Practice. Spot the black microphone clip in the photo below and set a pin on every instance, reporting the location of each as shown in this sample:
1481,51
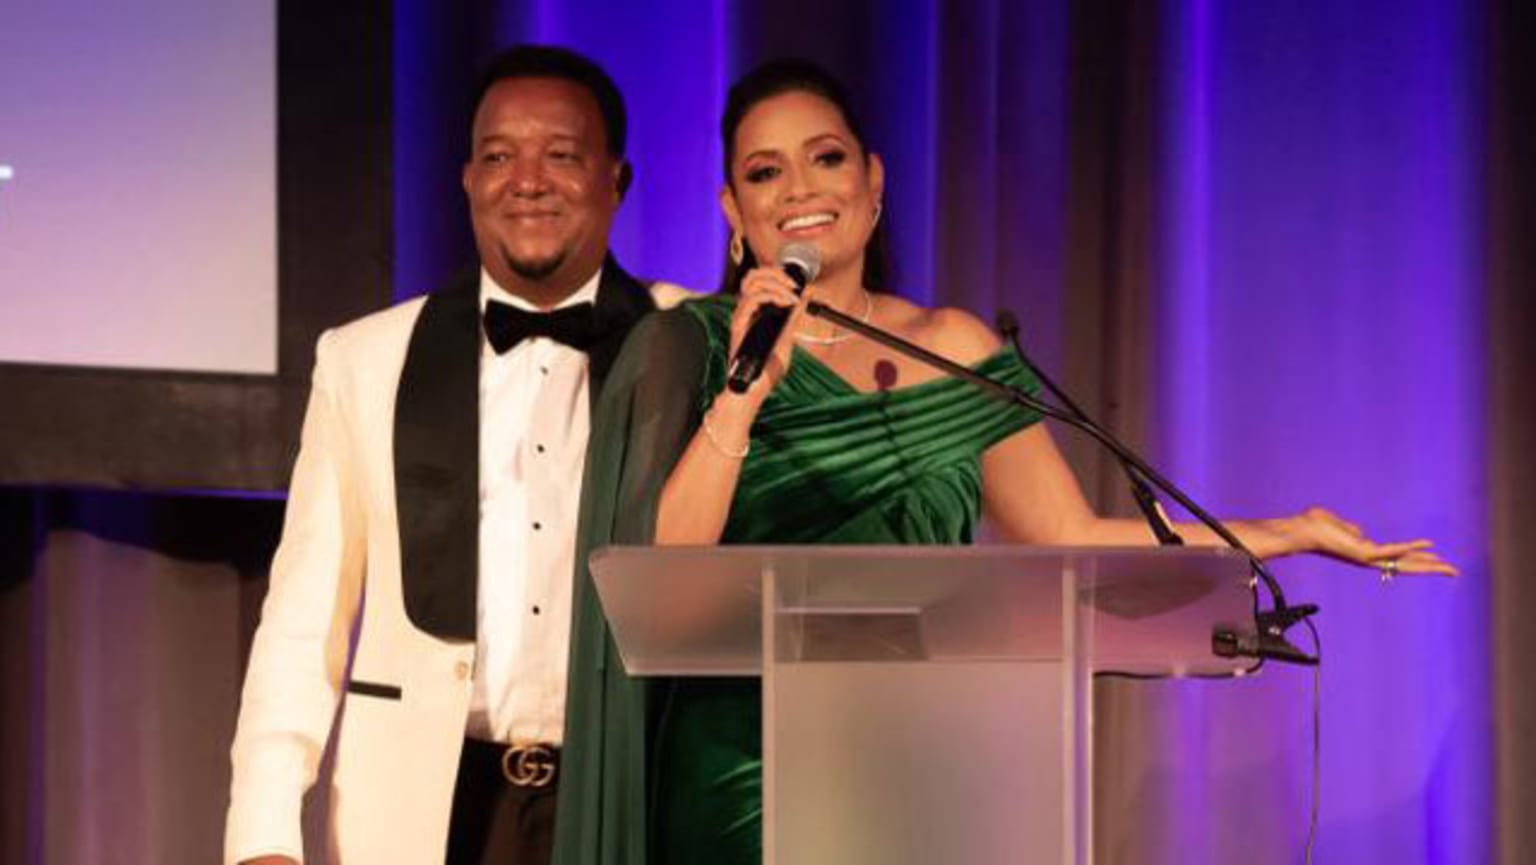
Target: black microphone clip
1269,642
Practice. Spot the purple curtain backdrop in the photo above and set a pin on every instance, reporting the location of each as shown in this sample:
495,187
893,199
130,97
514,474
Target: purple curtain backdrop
1256,247
1322,341
1251,236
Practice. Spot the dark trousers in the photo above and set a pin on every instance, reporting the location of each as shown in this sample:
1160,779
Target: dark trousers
496,822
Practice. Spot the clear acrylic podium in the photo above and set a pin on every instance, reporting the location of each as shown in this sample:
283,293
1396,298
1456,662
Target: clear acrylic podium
924,704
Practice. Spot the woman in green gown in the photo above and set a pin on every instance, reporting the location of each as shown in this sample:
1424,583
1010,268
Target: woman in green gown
840,441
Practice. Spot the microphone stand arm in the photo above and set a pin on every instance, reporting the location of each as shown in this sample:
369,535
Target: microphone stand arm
1271,624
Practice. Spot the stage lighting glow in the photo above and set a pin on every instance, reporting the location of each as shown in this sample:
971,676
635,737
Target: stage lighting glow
145,233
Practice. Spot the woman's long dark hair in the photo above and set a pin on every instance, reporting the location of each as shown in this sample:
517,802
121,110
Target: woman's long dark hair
772,79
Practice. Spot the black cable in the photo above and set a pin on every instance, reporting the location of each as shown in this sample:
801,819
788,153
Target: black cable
1317,740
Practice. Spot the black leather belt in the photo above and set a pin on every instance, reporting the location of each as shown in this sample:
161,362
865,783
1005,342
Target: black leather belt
532,766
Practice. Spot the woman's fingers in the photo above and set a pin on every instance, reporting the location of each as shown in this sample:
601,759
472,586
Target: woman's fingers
1411,557
1395,550
769,284
1426,565
746,312
1414,558
761,288
1342,539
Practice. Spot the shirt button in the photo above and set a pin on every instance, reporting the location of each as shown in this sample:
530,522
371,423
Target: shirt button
544,370
537,526
535,610
461,670
539,448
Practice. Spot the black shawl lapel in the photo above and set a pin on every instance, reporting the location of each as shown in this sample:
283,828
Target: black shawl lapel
437,462
621,302
437,442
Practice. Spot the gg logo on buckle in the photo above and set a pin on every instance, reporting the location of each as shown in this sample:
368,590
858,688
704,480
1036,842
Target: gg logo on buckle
528,765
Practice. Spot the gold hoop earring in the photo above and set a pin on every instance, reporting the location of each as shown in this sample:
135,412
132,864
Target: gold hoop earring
737,249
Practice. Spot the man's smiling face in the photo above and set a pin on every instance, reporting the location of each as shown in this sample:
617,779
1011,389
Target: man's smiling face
542,185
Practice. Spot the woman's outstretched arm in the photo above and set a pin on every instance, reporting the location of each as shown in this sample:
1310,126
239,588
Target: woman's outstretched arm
1032,496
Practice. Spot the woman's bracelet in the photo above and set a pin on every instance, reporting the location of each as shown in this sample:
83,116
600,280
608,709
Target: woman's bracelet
709,433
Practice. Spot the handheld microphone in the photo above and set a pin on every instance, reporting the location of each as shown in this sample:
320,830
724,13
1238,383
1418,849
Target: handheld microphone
802,262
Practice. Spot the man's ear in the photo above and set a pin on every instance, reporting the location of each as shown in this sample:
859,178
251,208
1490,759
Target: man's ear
623,176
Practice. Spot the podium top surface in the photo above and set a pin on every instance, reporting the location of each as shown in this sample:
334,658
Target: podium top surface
1142,611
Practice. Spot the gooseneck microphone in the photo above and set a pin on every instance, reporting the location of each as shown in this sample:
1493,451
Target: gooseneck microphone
802,262
1146,501
1268,641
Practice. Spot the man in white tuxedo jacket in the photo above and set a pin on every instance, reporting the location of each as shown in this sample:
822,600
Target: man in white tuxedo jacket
433,508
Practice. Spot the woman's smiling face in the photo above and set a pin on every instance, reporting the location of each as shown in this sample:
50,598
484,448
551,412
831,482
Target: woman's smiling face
798,173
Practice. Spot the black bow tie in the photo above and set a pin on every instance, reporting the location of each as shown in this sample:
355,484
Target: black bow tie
506,325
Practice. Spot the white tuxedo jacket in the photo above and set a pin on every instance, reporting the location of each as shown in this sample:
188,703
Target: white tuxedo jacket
383,515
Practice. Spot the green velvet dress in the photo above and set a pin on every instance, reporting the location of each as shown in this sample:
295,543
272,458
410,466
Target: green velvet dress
672,767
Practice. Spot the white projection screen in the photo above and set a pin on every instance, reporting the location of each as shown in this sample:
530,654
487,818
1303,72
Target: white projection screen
138,184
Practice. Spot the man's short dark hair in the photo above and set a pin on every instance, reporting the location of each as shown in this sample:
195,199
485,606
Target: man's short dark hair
548,61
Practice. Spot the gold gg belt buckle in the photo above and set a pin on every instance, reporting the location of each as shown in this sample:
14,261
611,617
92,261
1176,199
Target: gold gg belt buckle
529,765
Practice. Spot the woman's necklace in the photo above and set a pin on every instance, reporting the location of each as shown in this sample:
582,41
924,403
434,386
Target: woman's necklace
812,339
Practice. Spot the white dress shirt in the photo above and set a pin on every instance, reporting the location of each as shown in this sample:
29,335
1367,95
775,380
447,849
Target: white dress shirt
534,422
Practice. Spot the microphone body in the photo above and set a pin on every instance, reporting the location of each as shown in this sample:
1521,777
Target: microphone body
801,262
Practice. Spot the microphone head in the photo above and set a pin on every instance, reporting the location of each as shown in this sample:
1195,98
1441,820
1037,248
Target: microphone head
802,257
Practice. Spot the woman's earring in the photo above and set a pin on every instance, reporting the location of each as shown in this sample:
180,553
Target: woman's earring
736,249
879,208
